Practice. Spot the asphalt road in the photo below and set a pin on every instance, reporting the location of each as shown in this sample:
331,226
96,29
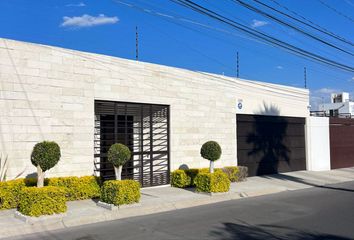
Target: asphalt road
316,213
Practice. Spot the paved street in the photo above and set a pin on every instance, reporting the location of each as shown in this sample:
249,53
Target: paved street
314,213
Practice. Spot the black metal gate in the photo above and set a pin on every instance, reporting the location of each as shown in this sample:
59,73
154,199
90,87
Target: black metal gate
144,128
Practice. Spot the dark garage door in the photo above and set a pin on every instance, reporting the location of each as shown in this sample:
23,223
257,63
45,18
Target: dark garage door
271,144
341,132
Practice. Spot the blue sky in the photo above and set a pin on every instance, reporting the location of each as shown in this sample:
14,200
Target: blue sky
175,36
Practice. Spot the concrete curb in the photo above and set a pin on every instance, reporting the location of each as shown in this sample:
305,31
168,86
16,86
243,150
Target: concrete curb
11,227
66,221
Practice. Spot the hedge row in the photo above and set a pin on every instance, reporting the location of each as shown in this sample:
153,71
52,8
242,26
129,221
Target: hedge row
119,192
75,188
48,200
186,178
51,199
212,182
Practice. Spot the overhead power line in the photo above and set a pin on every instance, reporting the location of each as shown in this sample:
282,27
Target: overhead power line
176,19
259,11
335,10
310,23
262,36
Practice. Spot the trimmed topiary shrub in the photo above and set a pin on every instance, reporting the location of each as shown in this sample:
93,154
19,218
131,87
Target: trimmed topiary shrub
77,188
45,155
180,179
118,155
10,193
36,202
211,151
212,182
119,192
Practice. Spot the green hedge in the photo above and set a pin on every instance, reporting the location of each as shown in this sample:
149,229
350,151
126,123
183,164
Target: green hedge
77,188
236,174
186,178
42,201
10,193
242,173
119,192
180,179
212,182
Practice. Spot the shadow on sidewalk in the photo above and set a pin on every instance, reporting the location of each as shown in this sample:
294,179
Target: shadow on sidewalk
261,232
303,181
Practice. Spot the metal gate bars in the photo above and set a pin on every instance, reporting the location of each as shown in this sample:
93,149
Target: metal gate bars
144,128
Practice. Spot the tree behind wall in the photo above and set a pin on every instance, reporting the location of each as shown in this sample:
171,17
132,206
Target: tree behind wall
45,155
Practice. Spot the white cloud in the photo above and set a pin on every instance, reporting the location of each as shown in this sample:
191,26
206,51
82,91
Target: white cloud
279,67
326,90
257,23
88,21
351,80
80,4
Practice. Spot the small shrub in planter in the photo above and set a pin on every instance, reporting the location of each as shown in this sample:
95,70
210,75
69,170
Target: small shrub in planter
212,182
77,188
242,173
36,202
119,192
45,155
232,173
180,179
211,151
193,172
118,155
10,193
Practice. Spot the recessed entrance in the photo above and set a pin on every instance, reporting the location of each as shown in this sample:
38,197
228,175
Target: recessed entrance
144,128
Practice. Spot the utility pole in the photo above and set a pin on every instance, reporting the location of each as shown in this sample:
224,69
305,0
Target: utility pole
136,44
237,66
305,77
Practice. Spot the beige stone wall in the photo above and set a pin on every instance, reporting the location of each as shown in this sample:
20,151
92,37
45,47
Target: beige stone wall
48,93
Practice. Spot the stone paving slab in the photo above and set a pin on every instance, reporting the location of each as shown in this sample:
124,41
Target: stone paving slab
166,198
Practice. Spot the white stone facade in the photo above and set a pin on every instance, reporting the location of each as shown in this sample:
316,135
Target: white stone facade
48,93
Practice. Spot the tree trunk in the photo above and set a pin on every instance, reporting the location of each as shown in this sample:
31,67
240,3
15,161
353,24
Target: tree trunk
211,167
118,172
40,177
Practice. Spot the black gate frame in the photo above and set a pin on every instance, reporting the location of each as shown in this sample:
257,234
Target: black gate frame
152,149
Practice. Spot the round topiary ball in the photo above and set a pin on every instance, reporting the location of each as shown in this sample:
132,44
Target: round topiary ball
45,154
118,154
211,150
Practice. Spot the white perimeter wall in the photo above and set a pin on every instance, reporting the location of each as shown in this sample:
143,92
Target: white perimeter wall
317,144
48,93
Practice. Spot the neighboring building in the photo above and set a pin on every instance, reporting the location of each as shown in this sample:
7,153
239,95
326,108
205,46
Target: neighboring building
340,106
86,102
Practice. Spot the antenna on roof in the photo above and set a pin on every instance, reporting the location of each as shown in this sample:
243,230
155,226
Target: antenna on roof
305,77
237,66
136,43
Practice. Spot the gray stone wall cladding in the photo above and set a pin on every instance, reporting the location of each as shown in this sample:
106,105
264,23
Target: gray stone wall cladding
48,93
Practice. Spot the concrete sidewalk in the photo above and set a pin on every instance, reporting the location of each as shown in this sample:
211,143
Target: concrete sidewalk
161,199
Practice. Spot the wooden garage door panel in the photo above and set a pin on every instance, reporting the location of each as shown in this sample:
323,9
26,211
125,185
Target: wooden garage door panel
342,142
296,154
248,128
271,144
243,143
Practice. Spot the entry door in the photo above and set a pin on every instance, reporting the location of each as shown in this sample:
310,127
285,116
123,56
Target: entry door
144,128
